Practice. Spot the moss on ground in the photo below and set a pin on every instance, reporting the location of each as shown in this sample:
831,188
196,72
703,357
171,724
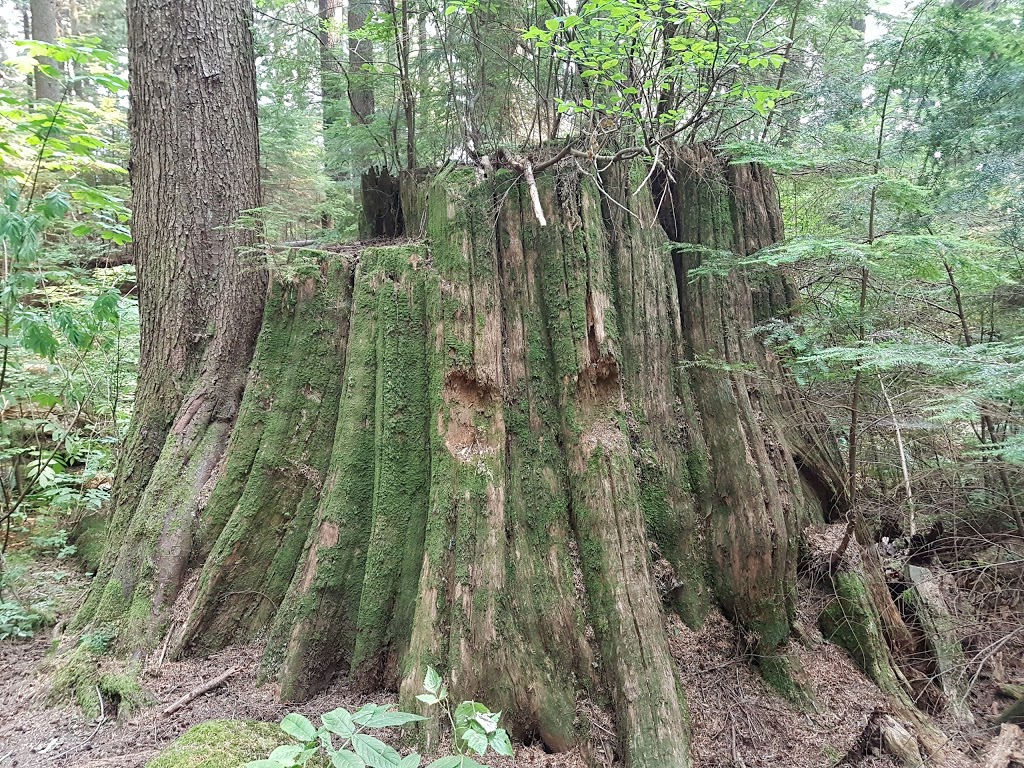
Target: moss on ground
220,744
82,677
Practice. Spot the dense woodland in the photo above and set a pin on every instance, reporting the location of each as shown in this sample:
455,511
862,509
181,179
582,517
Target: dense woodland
589,383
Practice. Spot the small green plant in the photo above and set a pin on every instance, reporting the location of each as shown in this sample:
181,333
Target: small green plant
18,622
475,727
357,750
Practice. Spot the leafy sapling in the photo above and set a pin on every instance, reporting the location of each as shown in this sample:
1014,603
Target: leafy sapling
474,725
356,749
342,739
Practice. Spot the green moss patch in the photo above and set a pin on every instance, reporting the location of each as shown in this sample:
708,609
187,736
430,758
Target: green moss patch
81,676
220,744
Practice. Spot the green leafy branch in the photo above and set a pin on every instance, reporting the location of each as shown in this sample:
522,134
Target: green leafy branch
357,749
474,725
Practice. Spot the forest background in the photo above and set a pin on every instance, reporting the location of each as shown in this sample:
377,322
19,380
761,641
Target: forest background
895,135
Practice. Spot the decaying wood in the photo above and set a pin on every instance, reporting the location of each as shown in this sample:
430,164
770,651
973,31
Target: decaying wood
899,742
939,628
531,182
1007,747
1011,691
198,691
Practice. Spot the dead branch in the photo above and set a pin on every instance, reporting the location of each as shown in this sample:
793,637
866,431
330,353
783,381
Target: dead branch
195,693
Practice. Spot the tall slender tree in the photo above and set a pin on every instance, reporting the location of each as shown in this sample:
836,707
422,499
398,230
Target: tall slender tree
45,30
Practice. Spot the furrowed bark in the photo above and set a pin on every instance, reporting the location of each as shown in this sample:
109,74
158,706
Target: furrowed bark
202,293
761,455
277,459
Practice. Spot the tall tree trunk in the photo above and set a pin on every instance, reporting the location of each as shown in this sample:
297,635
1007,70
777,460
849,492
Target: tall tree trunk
332,91
194,173
74,28
45,30
360,54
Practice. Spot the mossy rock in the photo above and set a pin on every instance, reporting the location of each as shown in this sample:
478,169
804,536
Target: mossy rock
221,744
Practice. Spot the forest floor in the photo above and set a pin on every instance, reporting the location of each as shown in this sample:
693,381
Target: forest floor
737,722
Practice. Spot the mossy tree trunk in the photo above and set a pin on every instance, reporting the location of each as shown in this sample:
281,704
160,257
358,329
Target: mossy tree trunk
509,449
194,172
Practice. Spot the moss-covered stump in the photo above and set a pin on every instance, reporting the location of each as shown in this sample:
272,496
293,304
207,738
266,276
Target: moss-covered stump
220,744
99,685
255,522
505,451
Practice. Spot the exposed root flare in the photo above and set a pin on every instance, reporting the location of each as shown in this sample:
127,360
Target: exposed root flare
885,735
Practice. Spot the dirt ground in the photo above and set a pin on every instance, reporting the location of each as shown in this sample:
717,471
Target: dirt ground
736,721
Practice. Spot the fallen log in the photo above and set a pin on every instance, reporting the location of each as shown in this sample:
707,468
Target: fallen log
1007,747
926,600
899,742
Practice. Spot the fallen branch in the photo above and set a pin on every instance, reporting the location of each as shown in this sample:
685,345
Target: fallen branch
195,693
538,209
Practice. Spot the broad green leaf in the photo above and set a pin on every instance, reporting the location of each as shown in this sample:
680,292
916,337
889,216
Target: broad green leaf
475,740
432,682
375,752
389,719
339,721
343,758
452,761
488,721
428,698
501,743
298,727
287,753
368,711
467,710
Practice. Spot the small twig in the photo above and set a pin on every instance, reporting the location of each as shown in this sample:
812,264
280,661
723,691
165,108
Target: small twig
195,693
610,733
163,651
